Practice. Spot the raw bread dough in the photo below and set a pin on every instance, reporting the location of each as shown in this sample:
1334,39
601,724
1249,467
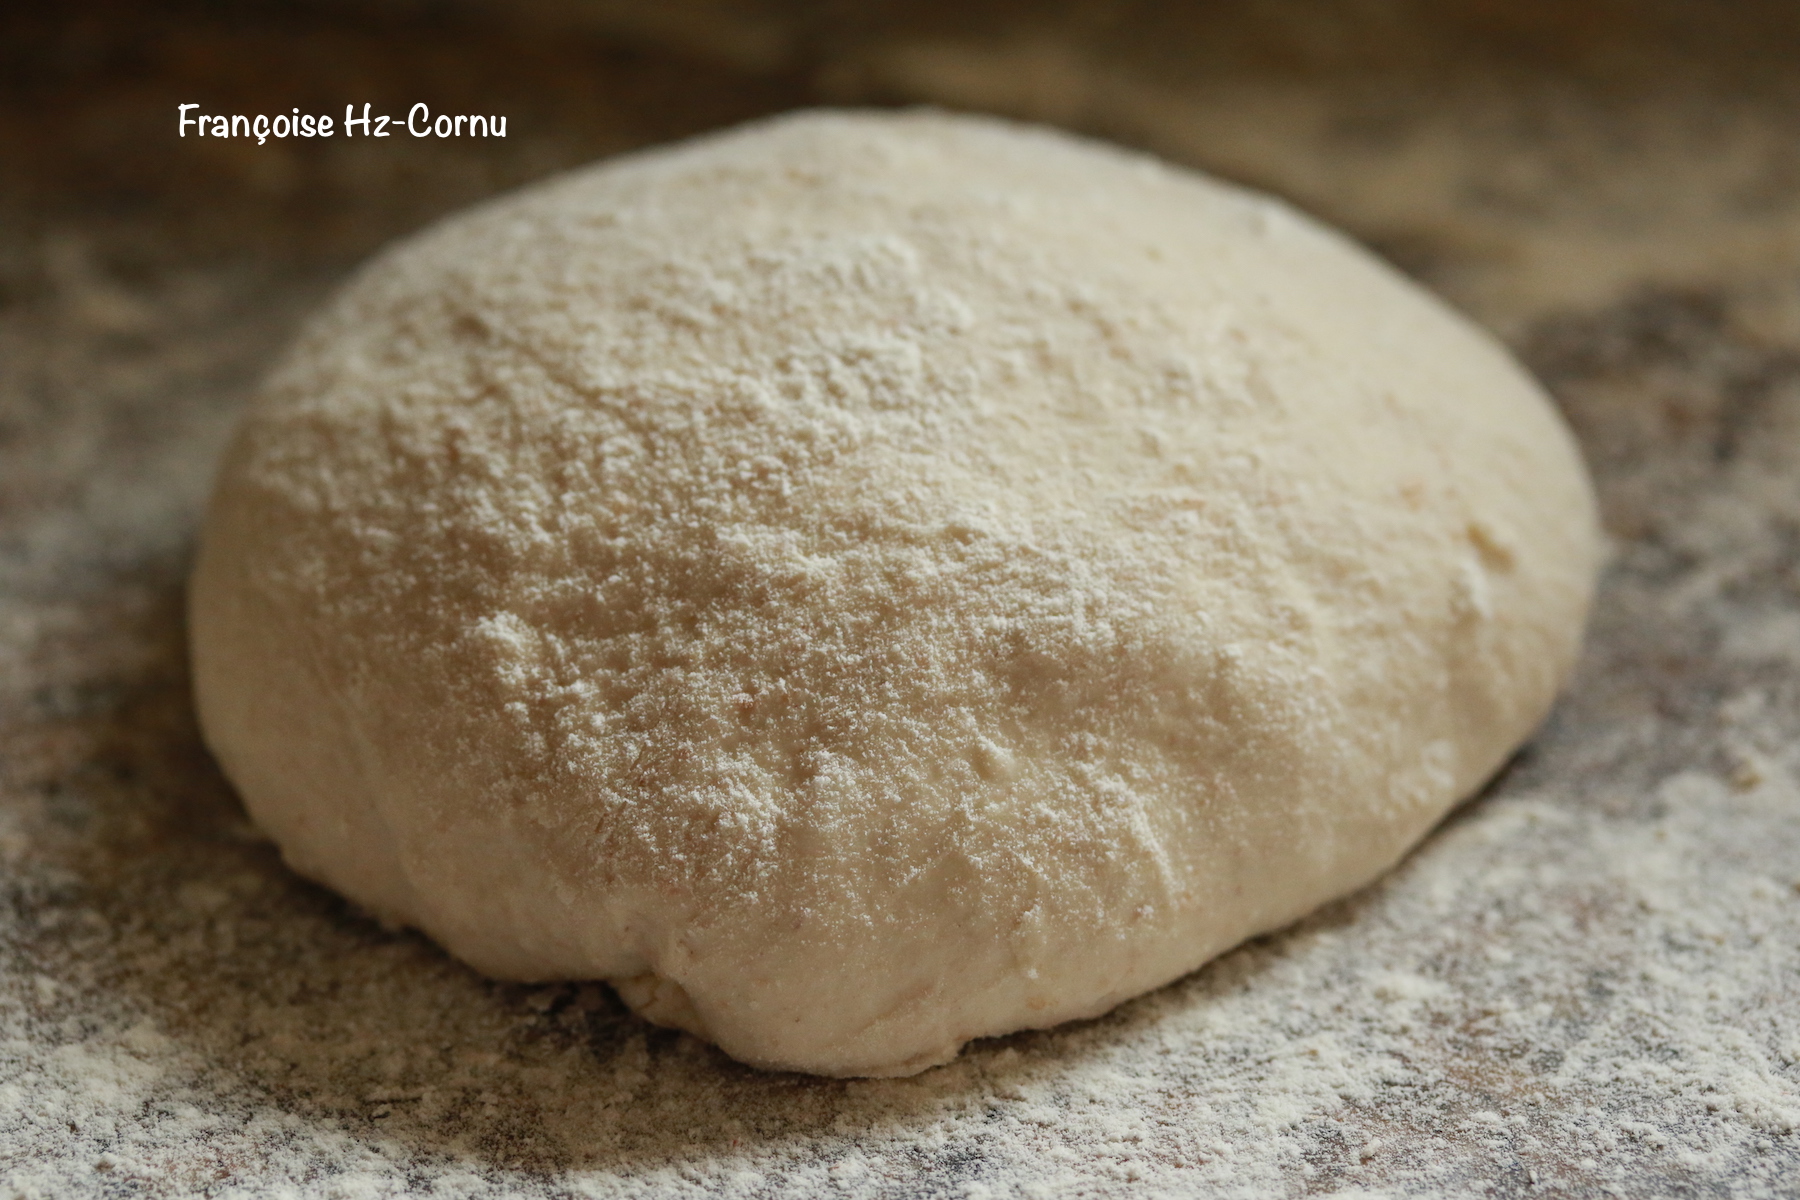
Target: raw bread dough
862,582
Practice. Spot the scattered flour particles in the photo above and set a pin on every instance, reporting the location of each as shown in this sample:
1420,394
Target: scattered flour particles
859,583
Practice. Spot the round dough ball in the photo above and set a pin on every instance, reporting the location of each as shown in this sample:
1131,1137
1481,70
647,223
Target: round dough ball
862,582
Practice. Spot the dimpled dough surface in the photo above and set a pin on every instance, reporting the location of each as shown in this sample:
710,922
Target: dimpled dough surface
863,582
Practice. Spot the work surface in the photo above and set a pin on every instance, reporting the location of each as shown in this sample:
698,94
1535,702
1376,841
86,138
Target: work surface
1586,983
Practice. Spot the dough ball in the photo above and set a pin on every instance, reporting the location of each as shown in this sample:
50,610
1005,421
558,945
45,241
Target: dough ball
862,582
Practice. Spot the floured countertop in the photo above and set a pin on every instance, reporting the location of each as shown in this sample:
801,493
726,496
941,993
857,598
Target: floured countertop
1588,983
